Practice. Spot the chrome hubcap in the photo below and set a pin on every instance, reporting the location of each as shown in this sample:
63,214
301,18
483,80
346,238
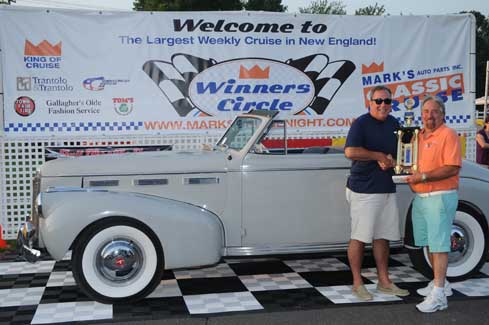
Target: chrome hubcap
119,260
459,243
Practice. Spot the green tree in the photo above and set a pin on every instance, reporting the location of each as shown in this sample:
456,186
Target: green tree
324,7
266,5
207,5
187,5
149,5
375,10
481,50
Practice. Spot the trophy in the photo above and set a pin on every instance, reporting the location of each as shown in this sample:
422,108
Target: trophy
407,145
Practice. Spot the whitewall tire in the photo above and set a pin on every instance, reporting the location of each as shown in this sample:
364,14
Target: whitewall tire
468,250
117,261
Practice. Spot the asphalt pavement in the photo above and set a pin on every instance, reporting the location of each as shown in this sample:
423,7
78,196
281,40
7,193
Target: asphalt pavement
466,311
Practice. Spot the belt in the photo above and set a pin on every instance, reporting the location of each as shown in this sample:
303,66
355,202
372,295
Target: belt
435,193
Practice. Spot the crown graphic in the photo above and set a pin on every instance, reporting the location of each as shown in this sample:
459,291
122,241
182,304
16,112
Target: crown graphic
374,67
254,73
43,49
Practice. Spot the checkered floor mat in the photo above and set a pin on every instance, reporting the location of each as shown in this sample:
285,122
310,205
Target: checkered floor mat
46,293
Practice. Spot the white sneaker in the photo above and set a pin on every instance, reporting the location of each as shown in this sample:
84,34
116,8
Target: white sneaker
433,303
427,290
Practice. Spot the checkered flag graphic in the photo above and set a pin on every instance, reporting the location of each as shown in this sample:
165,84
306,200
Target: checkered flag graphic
173,78
327,77
311,65
329,82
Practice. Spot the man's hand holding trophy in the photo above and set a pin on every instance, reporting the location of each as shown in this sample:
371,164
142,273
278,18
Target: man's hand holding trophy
407,145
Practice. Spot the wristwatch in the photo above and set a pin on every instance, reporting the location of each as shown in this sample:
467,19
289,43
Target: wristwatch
423,177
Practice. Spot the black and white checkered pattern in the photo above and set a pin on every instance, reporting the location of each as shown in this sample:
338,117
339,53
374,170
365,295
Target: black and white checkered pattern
327,77
173,78
45,293
40,128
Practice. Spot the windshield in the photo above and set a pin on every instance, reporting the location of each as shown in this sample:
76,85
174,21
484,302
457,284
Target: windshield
240,132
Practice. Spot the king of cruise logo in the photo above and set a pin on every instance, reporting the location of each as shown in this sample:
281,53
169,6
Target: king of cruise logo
42,56
245,84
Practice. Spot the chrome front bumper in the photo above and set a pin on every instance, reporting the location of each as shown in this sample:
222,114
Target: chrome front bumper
26,237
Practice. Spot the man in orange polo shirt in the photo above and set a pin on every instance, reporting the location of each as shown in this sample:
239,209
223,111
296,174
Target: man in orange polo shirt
436,200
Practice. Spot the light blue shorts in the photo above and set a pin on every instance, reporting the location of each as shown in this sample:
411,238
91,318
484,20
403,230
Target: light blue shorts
432,220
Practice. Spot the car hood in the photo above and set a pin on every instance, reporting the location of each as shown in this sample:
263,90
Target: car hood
156,162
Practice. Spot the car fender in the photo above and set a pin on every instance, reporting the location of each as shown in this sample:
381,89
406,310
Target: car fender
189,235
471,194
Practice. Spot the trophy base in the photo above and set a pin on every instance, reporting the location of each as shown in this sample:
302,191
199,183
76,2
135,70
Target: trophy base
400,179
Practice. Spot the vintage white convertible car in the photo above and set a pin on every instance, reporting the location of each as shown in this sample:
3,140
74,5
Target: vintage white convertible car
129,217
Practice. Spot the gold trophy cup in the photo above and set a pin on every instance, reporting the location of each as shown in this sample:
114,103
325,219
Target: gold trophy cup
407,145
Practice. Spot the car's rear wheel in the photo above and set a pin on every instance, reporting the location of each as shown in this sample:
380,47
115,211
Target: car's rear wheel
469,246
117,260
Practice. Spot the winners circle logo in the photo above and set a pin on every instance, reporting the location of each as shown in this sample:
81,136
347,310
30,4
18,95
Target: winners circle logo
246,84
204,85
24,106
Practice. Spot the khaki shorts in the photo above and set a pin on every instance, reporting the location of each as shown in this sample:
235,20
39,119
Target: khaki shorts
373,216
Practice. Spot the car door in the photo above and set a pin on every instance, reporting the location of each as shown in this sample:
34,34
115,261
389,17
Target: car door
294,199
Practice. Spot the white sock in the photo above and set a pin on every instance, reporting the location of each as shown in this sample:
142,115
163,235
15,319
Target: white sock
438,291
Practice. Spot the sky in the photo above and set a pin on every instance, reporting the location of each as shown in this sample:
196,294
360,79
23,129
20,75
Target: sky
393,7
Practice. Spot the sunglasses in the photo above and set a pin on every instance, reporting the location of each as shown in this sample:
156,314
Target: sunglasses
379,101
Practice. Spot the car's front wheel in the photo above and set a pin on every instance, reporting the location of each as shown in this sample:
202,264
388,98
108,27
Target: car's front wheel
469,246
117,260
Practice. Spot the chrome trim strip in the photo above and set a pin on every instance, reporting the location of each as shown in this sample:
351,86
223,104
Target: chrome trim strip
142,174
246,169
200,180
150,181
53,189
474,178
293,249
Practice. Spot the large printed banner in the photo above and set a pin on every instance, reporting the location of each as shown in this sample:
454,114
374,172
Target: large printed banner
81,73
